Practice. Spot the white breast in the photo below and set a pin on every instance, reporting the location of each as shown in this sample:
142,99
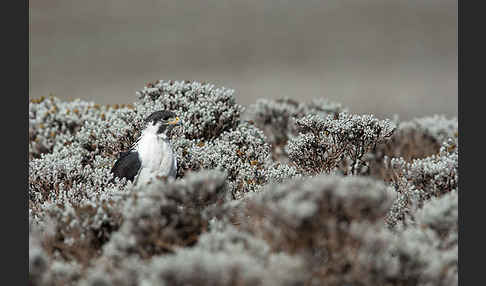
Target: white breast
156,156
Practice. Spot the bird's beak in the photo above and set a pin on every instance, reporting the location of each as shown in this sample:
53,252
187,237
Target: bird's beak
176,121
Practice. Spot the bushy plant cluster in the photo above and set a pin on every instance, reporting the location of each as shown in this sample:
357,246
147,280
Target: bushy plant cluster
288,193
54,124
69,177
241,152
422,179
164,216
313,219
326,144
277,118
436,128
425,252
206,110
222,256
414,139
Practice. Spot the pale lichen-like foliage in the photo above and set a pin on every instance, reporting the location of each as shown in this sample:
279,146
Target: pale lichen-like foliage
277,118
288,193
424,252
422,179
325,144
436,127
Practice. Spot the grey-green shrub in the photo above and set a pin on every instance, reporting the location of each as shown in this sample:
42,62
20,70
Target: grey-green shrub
289,193
422,179
276,118
324,144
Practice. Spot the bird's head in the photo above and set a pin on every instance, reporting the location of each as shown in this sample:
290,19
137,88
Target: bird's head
162,121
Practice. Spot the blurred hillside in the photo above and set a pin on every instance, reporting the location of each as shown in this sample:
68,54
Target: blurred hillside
374,56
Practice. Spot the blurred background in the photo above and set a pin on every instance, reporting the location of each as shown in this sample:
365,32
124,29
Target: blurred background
374,56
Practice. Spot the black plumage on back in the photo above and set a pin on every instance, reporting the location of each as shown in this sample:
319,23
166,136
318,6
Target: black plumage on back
127,165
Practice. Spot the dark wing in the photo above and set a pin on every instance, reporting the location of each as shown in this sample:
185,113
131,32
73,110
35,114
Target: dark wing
127,165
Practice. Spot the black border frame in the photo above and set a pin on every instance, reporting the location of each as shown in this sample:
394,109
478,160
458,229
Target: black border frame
14,213
470,46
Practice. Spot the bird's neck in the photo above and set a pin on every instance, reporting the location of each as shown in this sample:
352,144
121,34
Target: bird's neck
150,137
150,133
152,146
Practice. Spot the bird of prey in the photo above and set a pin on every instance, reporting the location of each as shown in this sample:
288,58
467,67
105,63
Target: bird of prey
151,155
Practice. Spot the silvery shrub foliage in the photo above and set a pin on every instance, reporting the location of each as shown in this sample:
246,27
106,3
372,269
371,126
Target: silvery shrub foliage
422,179
279,193
277,118
343,139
